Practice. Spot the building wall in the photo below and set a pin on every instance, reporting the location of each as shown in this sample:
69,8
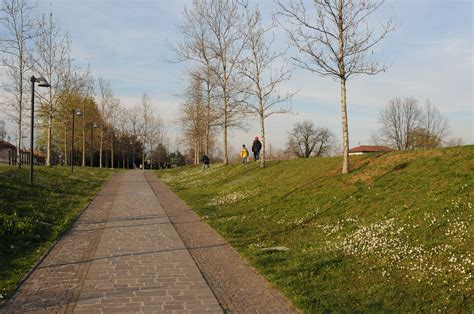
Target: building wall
7,155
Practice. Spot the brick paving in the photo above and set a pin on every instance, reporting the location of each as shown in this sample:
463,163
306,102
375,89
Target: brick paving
237,286
139,248
122,255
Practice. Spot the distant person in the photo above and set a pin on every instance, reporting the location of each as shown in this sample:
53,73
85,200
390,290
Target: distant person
205,162
244,154
256,147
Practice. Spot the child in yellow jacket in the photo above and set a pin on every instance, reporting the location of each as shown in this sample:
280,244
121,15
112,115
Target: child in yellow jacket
244,153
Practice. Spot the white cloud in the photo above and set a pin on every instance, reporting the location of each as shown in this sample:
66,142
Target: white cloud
126,43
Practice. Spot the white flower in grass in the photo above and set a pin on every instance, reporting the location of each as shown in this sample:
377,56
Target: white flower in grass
230,198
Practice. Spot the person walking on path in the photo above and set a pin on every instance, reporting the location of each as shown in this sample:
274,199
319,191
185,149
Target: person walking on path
205,162
256,147
244,154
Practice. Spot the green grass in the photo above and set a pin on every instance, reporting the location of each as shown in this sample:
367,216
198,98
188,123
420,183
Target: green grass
31,218
396,234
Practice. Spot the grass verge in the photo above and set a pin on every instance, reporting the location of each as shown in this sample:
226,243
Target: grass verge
396,234
31,218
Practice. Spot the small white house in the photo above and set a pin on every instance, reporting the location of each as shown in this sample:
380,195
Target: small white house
7,153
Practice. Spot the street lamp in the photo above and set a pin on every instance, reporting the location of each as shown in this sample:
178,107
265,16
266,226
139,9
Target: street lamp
42,83
75,112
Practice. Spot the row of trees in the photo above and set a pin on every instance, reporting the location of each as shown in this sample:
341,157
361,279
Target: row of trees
36,46
234,73
235,69
107,134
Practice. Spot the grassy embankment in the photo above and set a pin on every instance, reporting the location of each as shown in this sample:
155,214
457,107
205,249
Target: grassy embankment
31,218
396,234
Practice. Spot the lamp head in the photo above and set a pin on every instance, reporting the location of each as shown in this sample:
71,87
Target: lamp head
42,82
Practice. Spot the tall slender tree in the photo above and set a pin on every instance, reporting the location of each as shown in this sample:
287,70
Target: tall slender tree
51,57
193,117
258,66
194,46
15,43
335,39
217,38
146,116
105,103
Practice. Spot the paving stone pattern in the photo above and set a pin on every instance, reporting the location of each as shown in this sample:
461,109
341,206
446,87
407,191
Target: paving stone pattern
139,248
122,255
55,282
238,287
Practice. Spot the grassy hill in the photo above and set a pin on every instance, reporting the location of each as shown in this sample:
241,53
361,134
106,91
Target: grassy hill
396,234
31,218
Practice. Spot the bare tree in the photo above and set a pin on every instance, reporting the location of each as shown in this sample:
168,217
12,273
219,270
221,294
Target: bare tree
155,137
194,46
19,31
105,104
304,138
146,115
52,54
399,120
454,142
223,43
134,126
87,90
335,39
258,67
113,120
124,132
72,86
193,115
435,126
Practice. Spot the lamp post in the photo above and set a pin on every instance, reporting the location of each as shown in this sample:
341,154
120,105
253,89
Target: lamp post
75,112
42,83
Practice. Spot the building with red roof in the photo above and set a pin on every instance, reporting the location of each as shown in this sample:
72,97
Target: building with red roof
366,149
8,155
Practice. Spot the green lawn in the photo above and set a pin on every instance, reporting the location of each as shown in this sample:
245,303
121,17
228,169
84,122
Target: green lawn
396,234
31,218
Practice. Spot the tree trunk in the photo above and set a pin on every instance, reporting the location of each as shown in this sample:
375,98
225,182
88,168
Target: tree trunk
20,106
208,111
262,135
345,129
143,155
226,157
342,73
112,151
151,158
18,148
48,145
101,147
83,139
65,145
123,155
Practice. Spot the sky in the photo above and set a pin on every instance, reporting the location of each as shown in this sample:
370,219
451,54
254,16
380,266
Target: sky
430,53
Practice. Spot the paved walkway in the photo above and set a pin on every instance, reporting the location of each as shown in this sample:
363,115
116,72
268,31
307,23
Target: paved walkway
139,248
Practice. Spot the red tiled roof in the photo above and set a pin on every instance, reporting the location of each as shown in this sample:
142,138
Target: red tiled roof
5,144
36,152
369,149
